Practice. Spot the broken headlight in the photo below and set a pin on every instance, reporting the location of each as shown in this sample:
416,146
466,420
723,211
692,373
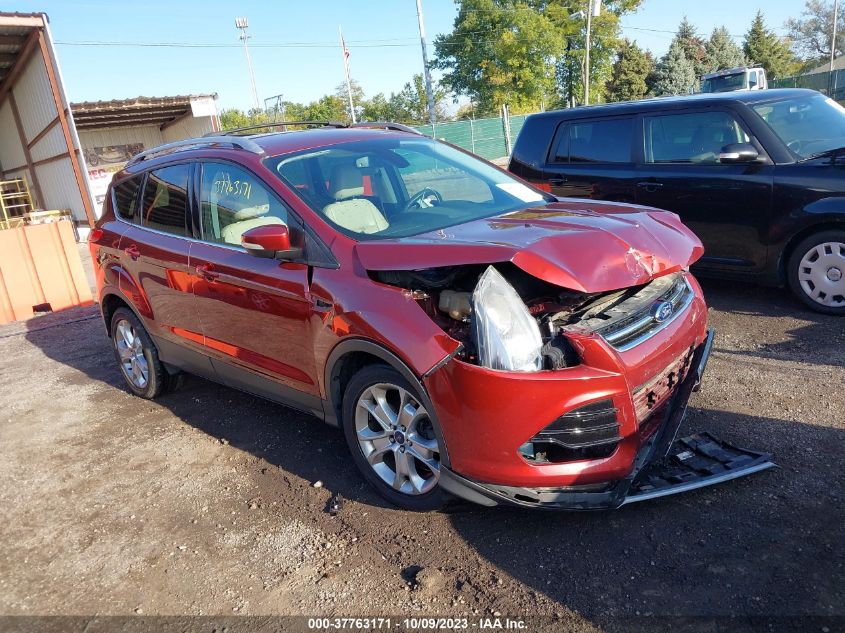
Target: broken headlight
506,335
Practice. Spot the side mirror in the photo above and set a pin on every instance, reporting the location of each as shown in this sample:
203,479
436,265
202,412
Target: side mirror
738,153
271,241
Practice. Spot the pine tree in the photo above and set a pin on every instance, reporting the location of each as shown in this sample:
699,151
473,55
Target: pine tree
693,47
630,70
722,51
763,48
675,74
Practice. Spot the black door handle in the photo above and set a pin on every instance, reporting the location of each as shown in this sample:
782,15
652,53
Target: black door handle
557,181
650,186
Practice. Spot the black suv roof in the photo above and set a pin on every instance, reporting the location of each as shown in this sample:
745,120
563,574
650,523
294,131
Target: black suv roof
739,96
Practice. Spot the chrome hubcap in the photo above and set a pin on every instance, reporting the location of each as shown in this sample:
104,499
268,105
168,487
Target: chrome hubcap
820,274
397,439
131,352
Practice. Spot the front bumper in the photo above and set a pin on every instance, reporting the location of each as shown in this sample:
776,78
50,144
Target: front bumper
696,462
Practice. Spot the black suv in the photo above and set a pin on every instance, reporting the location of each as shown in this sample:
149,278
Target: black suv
758,175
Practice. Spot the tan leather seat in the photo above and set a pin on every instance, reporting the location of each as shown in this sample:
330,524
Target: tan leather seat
356,214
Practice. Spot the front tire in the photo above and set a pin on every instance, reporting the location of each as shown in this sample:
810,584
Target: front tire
137,356
392,439
816,271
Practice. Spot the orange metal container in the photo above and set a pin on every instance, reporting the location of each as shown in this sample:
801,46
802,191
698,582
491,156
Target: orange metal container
40,264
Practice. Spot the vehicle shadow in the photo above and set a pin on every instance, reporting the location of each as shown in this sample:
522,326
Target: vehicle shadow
295,442
784,328
764,545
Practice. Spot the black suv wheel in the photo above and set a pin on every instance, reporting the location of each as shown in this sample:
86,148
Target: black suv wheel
816,271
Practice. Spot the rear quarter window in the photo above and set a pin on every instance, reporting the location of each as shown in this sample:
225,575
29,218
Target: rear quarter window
125,199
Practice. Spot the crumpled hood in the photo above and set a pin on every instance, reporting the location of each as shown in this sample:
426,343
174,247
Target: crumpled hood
582,245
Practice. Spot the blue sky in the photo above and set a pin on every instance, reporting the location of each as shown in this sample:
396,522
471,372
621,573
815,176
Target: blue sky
382,37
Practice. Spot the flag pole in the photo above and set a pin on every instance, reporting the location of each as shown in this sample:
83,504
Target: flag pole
345,52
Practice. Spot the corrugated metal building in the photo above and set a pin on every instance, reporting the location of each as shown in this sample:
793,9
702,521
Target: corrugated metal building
112,131
38,140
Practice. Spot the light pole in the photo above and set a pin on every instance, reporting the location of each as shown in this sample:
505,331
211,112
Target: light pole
242,24
428,90
833,35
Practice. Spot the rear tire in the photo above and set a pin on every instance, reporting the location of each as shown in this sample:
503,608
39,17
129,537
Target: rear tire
137,356
816,272
391,438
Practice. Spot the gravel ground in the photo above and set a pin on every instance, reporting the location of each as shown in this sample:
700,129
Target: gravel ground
204,502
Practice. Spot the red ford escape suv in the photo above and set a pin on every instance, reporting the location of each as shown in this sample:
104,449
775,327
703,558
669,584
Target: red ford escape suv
471,334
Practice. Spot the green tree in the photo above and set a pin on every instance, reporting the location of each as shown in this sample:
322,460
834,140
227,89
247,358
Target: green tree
693,46
410,105
377,109
722,52
810,33
232,118
675,74
630,70
342,93
500,51
762,47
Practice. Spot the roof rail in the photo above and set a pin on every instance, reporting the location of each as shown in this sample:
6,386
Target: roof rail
189,143
387,125
275,124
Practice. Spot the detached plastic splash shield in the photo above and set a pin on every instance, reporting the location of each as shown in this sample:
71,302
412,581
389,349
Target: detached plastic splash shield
694,462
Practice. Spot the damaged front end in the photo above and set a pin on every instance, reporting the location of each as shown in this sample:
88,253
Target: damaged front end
580,337
566,399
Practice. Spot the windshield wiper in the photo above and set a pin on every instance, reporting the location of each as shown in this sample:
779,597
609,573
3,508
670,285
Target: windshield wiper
828,152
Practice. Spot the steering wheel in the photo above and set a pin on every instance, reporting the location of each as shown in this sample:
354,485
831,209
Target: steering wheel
421,198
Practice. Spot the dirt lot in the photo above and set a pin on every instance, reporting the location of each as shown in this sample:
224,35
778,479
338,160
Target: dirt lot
204,503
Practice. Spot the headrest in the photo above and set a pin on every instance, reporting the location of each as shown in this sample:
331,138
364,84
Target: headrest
346,181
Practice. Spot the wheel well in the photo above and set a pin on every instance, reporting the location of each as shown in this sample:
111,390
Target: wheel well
796,239
109,305
347,366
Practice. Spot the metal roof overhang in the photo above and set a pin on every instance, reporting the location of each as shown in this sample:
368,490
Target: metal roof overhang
163,111
18,37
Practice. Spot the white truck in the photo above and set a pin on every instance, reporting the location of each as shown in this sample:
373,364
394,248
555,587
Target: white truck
742,78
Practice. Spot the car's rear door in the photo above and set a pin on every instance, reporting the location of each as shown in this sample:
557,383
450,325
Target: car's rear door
593,158
727,205
255,312
155,253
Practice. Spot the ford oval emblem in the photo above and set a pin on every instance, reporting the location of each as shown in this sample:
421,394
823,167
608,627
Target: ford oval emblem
662,311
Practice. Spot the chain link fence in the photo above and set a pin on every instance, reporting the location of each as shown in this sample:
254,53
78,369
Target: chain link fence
830,84
483,137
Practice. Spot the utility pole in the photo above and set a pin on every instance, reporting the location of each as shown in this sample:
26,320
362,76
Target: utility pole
428,90
345,52
833,35
593,9
242,25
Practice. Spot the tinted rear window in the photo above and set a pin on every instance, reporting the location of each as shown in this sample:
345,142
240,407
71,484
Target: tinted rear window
607,141
126,199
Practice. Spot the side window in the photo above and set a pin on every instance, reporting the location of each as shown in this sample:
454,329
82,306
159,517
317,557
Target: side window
233,201
165,202
690,138
603,141
125,199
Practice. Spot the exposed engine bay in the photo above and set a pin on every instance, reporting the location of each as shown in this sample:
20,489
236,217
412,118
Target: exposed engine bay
450,296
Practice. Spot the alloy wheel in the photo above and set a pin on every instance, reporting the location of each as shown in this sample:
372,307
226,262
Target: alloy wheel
130,349
821,274
397,438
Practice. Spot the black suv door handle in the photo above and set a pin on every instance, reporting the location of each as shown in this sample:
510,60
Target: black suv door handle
650,186
557,181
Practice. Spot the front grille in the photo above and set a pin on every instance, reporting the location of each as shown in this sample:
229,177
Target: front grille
641,315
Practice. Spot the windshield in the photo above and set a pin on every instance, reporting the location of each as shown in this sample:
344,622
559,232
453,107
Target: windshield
388,187
808,125
725,83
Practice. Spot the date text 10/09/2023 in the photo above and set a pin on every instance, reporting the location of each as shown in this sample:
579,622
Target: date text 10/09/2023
417,624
